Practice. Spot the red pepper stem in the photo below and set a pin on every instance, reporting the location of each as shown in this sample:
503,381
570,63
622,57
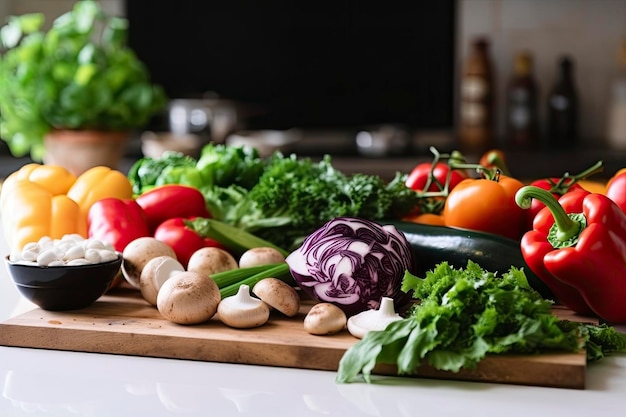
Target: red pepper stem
567,228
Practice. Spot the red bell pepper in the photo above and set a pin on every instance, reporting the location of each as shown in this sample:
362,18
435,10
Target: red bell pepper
172,200
558,187
117,221
578,247
616,188
184,240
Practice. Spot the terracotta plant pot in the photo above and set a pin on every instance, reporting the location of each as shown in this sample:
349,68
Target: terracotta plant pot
80,150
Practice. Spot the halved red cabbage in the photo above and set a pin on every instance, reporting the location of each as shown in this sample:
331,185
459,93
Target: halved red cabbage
353,263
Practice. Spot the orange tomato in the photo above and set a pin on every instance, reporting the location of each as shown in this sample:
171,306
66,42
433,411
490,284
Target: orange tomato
486,205
426,218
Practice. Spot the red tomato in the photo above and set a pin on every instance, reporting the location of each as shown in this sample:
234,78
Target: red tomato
486,205
418,177
182,239
616,188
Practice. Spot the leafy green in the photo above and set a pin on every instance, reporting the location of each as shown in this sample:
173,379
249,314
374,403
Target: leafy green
223,165
171,168
295,196
281,199
79,74
465,314
218,166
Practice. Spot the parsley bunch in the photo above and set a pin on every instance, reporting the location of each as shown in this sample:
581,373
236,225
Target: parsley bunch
465,314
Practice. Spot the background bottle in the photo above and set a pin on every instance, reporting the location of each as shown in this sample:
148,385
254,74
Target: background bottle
616,134
476,118
522,126
563,117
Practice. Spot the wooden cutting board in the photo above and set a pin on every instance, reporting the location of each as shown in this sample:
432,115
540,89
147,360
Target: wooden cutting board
121,322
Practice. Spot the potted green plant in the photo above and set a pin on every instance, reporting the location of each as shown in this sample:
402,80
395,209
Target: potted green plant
77,77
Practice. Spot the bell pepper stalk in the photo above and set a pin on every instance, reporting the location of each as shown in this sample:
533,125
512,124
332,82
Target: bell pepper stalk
177,233
578,247
117,222
170,201
558,187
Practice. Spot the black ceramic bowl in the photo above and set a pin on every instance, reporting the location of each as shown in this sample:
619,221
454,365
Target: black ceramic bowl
63,287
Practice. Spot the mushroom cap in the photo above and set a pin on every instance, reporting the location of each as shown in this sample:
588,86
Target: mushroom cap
279,295
260,256
188,298
324,319
138,253
155,273
211,260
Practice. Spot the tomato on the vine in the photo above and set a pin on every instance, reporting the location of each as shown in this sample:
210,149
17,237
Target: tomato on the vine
419,177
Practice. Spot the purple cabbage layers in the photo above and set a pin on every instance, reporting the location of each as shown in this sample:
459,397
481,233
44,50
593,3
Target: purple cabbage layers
353,263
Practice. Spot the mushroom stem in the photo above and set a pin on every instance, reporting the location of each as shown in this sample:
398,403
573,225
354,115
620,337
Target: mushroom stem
242,310
361,323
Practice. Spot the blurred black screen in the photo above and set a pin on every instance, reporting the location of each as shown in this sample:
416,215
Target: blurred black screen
305,64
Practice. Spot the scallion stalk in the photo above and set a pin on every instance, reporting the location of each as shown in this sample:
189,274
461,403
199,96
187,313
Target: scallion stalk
280,271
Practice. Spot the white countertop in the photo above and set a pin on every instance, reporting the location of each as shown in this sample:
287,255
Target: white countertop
38,382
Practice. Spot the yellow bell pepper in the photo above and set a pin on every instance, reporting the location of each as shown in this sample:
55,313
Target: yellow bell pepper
31,212
98,183
47,200
55,179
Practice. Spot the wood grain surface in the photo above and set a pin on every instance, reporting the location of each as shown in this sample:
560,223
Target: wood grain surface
121,322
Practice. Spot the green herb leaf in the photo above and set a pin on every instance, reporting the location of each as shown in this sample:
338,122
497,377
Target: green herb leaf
465,314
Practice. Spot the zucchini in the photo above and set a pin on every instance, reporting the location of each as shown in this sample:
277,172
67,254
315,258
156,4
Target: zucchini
435,244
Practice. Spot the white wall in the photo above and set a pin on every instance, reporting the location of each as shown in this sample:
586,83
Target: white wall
591,31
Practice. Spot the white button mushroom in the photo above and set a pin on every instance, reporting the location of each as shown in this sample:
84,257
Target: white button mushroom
260,256
279,295
155,273
243,311
325,319
138,253
360,324
188,298
211,260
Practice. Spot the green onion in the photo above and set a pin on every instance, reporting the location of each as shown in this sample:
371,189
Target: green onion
234,238
280,271
233,276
